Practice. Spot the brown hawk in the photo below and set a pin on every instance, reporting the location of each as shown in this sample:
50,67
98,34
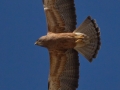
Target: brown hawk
64,41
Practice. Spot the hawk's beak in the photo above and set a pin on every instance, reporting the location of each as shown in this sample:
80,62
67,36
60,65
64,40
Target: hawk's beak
35,43
38,43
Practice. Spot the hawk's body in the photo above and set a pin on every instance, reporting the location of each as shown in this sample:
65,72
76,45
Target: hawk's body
59,41
64,41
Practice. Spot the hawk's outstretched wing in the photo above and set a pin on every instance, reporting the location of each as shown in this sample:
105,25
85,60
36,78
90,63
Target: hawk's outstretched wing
64,66
64,70
60,15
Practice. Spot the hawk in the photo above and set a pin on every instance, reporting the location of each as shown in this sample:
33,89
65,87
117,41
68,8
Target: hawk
64,41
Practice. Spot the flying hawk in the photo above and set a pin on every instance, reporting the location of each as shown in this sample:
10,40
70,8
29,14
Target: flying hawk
64,41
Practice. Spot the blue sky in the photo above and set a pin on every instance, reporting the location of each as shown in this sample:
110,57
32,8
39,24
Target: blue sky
24,66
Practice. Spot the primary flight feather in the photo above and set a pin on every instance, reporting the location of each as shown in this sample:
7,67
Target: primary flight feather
64,41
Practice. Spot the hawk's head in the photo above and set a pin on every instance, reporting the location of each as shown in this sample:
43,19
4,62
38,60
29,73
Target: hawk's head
41,41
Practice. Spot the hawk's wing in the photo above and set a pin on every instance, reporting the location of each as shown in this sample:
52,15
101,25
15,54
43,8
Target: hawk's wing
64,66
64,70
60,15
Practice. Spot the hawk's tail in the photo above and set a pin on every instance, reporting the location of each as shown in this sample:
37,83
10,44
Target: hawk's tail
91,41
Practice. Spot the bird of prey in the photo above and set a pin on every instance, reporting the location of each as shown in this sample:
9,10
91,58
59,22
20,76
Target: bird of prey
64,41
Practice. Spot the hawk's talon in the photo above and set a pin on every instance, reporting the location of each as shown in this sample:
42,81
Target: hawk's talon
79,41
80,36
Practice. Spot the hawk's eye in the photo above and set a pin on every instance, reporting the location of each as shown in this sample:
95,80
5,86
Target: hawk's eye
37,40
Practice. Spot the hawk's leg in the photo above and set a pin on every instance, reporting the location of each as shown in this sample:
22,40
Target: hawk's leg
81,40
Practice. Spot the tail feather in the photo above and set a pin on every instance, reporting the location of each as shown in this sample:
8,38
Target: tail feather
90,28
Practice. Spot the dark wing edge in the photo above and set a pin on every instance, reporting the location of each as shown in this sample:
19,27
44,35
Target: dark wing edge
60,15
64,70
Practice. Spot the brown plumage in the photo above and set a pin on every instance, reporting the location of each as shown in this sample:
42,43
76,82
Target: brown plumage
63,41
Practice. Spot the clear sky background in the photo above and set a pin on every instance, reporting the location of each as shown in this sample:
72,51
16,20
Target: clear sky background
24,66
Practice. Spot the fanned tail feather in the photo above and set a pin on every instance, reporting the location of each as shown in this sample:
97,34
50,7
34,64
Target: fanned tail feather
89,28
